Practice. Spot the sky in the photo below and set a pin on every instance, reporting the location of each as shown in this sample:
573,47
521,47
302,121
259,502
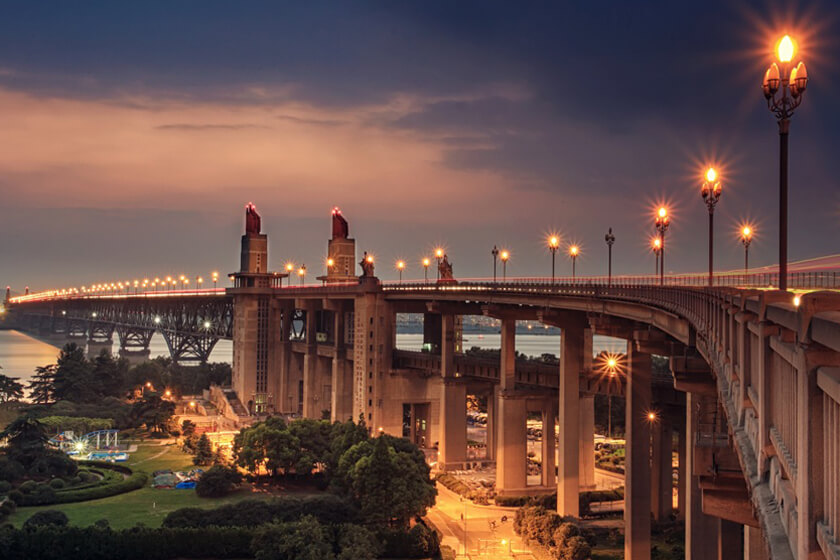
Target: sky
133,134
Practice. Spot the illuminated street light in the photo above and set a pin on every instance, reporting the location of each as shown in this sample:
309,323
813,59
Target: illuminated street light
574,250
711,191
662,222
426,262
553,245
746,239
290,267
302,273
656,247
652,416
215,275
783,89
504,255
400,268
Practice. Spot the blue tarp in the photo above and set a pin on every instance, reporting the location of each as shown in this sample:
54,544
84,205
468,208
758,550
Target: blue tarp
186,485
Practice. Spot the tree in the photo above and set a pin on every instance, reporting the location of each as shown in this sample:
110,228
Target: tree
390,486
203,451
356,542
73,379
304,540
152,411
42,385
10,389
218,481
46,517
268,444
110,374
26,438
187,428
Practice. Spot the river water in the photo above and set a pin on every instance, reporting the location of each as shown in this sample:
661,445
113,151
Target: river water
20,354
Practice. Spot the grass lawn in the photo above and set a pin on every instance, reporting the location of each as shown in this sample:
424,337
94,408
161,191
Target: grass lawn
147,505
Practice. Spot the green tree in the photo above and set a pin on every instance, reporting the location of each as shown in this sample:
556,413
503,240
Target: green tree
46,517
110,374
26,438
356,542
203,451
152,411
218,481
390,486
10,389
187,428
42,385
304,540
267,443
73,379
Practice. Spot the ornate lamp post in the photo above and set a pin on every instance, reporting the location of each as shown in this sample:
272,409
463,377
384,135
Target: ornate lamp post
215,275
401,267
505,255
656,247
426,263
495,253
290,267
438,256
711,191
610,239
302,273
783,89
662,222
553,245
573,253
746,239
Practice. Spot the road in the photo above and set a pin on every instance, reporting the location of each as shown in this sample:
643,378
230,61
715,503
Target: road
483,541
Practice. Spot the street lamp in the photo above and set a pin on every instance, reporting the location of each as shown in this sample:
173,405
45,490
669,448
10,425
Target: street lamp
656,247
504,255
302,273
573,253
662,222
438,256
610,239
553,245
426,263
711,191
401,267
495,253
215,275
783,90
290,267
746,239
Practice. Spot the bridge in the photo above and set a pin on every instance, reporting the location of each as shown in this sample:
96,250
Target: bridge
751,405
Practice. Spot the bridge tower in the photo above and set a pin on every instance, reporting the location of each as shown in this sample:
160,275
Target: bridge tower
256,316
341,252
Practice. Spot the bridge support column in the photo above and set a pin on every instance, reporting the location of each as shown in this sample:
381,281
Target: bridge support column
95,347
549,449
568,472
452,444
341,383
701,530
135,357
730,540
637,461
511,429
683,475
282,319
512,449
662,485
587,442
754,548
310,366
492,413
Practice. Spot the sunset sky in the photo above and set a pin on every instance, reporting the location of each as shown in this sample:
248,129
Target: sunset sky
133,134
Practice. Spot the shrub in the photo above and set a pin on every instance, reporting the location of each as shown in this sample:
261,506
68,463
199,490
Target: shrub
418,542
28,486
576,549
57,484
5,486
328,509
16,496
47,517
217,481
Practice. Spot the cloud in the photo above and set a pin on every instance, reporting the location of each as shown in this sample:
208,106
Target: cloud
201,127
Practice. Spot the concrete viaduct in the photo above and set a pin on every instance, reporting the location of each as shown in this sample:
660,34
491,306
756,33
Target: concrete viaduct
754,394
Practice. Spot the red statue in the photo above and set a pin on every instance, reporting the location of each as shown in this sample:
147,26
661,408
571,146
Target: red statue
339,225
252,219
